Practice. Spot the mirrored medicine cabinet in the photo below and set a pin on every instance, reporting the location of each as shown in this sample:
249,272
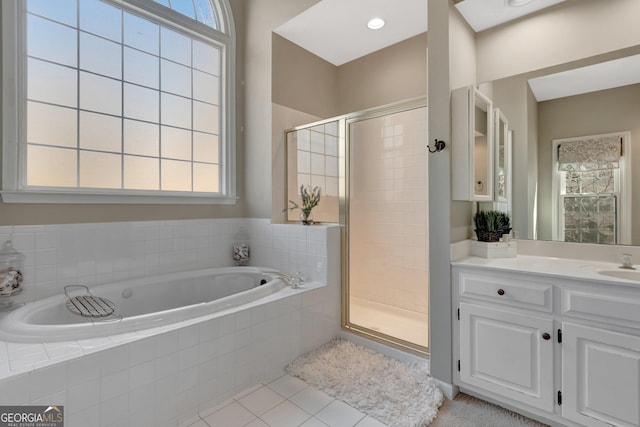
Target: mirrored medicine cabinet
481,154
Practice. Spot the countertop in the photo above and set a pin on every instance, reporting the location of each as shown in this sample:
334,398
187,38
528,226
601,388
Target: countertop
564,268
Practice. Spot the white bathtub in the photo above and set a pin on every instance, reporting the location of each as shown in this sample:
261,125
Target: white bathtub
141,303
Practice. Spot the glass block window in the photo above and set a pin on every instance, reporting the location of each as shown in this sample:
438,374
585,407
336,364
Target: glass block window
590,219
589,202
119,98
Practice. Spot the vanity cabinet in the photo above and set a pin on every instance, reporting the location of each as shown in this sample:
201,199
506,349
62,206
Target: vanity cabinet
564,350
601,355
504,351
600,376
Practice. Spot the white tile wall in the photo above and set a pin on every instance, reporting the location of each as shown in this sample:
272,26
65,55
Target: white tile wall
90,254
156,377
388,212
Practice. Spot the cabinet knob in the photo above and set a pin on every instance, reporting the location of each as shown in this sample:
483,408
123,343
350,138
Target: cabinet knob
500,291
546,336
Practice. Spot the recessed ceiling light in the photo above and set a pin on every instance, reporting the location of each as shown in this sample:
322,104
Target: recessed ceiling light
516,3
375,23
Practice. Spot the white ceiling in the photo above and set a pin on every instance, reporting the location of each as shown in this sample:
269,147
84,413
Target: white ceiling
605,75
336,30
484,14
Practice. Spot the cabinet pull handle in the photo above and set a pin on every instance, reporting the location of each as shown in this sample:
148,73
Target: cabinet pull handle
500,291
546,336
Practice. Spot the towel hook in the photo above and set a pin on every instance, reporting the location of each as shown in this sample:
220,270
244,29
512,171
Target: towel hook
438,147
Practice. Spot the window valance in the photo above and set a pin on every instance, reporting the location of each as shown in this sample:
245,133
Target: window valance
590,154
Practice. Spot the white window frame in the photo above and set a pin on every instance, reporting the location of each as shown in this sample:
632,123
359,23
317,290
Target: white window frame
14,113
624,194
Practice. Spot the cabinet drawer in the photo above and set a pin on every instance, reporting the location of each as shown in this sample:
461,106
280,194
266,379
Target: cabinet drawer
617,307
508,289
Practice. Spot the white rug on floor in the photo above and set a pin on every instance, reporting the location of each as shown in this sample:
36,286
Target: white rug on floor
395,393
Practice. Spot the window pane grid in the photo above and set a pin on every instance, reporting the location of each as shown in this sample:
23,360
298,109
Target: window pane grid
93,89
590,219
200,10
589,201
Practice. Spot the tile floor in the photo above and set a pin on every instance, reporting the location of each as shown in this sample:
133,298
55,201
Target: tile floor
285,402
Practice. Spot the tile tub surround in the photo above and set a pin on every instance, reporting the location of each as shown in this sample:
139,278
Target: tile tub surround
167,375
97,253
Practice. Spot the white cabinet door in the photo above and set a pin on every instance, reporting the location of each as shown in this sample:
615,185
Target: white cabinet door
507,353
600,376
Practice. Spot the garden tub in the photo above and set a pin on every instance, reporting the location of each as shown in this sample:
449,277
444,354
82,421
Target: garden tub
131,305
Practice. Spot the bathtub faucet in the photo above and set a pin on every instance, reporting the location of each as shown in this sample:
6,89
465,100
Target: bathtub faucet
293,281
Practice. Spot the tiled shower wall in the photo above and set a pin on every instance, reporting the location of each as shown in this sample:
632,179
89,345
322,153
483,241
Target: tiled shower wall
388,259
96,253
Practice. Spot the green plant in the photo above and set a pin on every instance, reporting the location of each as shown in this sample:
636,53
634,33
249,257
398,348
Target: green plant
492,221
491,225
310,199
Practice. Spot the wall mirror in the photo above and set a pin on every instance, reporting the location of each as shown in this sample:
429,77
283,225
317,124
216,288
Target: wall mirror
558,78
543,114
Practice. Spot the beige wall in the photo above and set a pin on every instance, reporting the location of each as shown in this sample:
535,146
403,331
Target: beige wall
614,110
569,31
261,18
395,73
307,83
302,80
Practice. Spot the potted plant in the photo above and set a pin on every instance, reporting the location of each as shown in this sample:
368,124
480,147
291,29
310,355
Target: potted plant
491,225
310,199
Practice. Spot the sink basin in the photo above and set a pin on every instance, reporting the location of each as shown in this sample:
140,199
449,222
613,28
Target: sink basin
622,274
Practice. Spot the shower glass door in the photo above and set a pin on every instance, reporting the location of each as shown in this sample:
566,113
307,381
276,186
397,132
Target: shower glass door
386,268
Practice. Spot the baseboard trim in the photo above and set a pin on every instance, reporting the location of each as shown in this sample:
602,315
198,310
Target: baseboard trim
449,390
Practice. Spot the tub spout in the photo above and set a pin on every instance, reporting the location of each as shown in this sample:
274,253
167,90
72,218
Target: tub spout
293,281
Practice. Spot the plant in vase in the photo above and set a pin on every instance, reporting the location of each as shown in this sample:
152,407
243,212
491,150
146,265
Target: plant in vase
491,225
310,199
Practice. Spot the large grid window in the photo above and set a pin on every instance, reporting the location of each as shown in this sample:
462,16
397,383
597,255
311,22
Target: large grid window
119,98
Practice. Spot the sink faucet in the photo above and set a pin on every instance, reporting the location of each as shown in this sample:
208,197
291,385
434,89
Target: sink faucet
626,262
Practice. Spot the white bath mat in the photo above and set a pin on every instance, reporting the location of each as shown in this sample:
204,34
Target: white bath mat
395,393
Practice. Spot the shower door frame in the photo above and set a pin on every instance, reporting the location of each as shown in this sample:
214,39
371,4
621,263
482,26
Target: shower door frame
344,215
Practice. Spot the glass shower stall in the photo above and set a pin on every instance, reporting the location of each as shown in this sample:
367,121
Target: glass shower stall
386,273
381,204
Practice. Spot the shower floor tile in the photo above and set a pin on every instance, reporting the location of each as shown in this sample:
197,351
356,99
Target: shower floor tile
403,324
